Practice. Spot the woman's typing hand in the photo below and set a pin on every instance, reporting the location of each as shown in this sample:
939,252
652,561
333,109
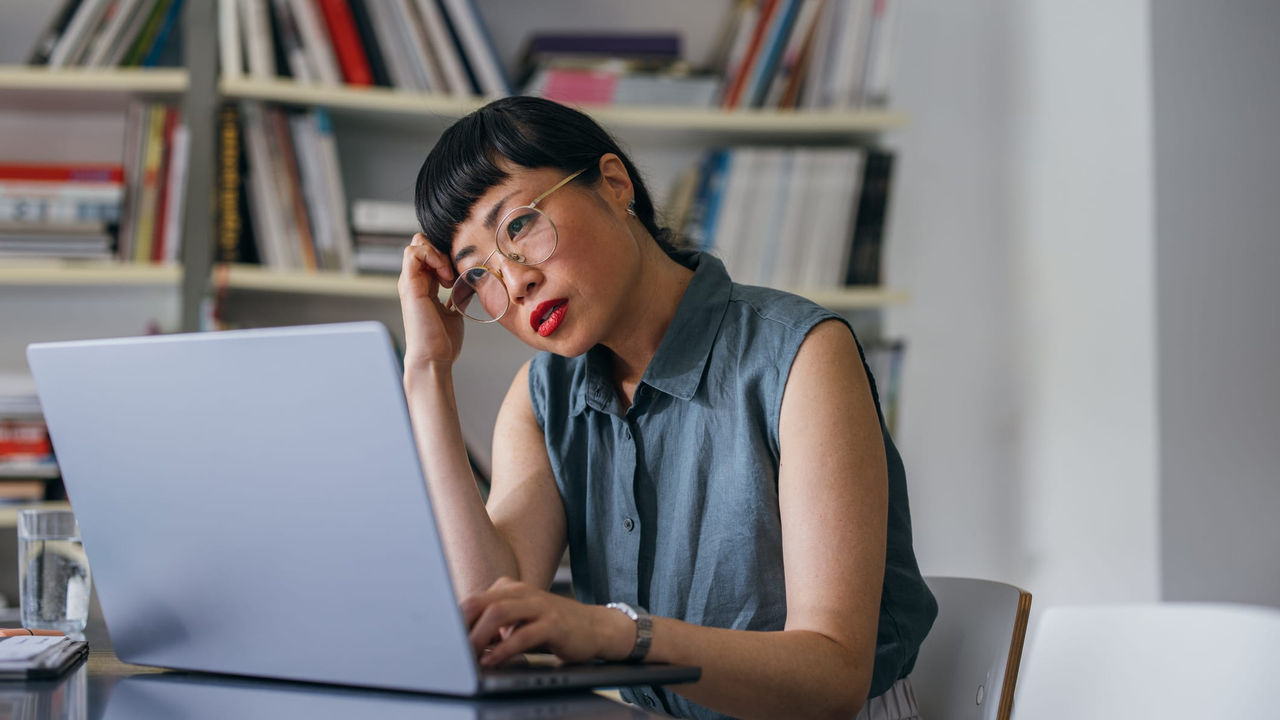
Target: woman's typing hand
511,617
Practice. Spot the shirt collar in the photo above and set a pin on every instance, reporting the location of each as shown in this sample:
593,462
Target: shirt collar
677,367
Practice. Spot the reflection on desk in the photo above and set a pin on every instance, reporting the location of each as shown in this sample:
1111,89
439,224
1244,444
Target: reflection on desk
83,694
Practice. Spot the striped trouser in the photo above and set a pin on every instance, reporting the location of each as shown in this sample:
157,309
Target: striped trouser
896,703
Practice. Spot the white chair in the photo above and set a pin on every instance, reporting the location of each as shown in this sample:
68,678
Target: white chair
1164,661
968,664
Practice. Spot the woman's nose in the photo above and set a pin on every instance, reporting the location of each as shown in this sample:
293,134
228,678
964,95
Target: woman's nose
519,279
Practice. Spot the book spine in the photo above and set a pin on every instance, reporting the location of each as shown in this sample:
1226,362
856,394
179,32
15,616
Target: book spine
48,39
345,37
153,54
300,64
135,120
162,182
109,173
121,13
386,27
444,48
305,248
868,231
315,42
335,202
177,184
479,48
122,44
230,58
154,149
147,35
72,42
257,38
266,205
369,41
733,97
771,52
229,220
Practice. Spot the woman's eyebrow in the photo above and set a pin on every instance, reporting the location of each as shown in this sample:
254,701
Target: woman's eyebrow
463,253
491,218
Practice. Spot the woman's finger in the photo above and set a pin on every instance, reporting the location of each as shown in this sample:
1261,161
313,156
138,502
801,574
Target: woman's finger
498,615
522,639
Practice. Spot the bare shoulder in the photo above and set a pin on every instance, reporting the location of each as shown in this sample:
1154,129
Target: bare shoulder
828,354
828,385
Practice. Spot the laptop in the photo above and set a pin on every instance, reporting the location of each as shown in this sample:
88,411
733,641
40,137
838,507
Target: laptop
252,503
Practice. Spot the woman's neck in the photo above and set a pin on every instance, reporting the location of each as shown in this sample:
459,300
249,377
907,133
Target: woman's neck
656,294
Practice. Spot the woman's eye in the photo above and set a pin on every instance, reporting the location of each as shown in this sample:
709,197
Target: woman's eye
517,226
474,275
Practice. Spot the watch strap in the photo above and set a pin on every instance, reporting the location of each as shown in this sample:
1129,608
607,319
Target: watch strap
644,628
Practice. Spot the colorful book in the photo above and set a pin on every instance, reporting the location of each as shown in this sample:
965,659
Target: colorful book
369,42
478,47
347,45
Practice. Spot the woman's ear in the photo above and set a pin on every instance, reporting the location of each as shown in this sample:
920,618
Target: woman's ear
615,181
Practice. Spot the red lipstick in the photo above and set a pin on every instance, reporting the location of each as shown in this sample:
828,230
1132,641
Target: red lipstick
548,316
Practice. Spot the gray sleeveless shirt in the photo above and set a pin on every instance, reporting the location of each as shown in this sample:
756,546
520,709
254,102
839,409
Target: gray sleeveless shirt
672,504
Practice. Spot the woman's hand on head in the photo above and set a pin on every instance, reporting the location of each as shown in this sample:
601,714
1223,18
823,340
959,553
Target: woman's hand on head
432,333
511,617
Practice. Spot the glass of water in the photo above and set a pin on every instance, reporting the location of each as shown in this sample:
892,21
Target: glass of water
53,573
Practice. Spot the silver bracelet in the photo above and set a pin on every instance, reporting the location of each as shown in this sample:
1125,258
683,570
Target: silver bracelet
644,628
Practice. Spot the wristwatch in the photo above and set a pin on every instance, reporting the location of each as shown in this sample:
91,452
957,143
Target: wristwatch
644,628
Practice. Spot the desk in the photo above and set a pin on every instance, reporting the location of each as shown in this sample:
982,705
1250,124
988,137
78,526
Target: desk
105,688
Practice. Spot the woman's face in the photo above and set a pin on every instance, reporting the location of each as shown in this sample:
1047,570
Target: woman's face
572,301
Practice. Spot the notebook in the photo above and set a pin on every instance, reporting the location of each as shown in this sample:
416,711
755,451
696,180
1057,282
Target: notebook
252,503
26,657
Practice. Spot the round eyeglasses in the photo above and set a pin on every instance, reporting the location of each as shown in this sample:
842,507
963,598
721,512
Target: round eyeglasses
526,236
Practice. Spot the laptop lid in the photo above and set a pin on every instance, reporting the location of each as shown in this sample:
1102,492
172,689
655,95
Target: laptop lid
252,503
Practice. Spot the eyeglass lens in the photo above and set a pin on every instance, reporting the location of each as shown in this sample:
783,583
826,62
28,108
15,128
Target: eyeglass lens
525,236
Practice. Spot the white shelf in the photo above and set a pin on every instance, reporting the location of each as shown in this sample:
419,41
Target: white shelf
253,277
771,125
29,471
17,273
81,89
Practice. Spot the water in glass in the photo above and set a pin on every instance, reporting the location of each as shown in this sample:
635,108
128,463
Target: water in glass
55,583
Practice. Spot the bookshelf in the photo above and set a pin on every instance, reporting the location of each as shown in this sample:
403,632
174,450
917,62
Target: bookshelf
85,274
200,90
119,81
376,104
257,278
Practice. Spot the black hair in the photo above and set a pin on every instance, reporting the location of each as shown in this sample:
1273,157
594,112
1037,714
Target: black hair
529,132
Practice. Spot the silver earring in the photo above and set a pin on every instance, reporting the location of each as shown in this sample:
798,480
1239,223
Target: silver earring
631,208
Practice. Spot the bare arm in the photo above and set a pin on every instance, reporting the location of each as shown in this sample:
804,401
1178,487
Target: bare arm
525,504
833,492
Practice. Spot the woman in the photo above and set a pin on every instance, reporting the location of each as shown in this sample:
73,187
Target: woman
686,437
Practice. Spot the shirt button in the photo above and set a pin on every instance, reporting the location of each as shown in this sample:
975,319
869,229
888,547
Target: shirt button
648,701
629,524
626,432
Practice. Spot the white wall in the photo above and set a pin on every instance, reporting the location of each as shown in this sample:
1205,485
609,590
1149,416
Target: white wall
1217,96
1022,224
948,245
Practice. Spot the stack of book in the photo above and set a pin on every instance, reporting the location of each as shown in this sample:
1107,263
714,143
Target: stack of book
110,33
293,190
382,228
439,46
26,455
801,218
156,158
829,54
609,69
59,211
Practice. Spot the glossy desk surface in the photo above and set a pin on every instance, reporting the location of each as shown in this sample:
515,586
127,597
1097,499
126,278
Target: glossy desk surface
104,687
